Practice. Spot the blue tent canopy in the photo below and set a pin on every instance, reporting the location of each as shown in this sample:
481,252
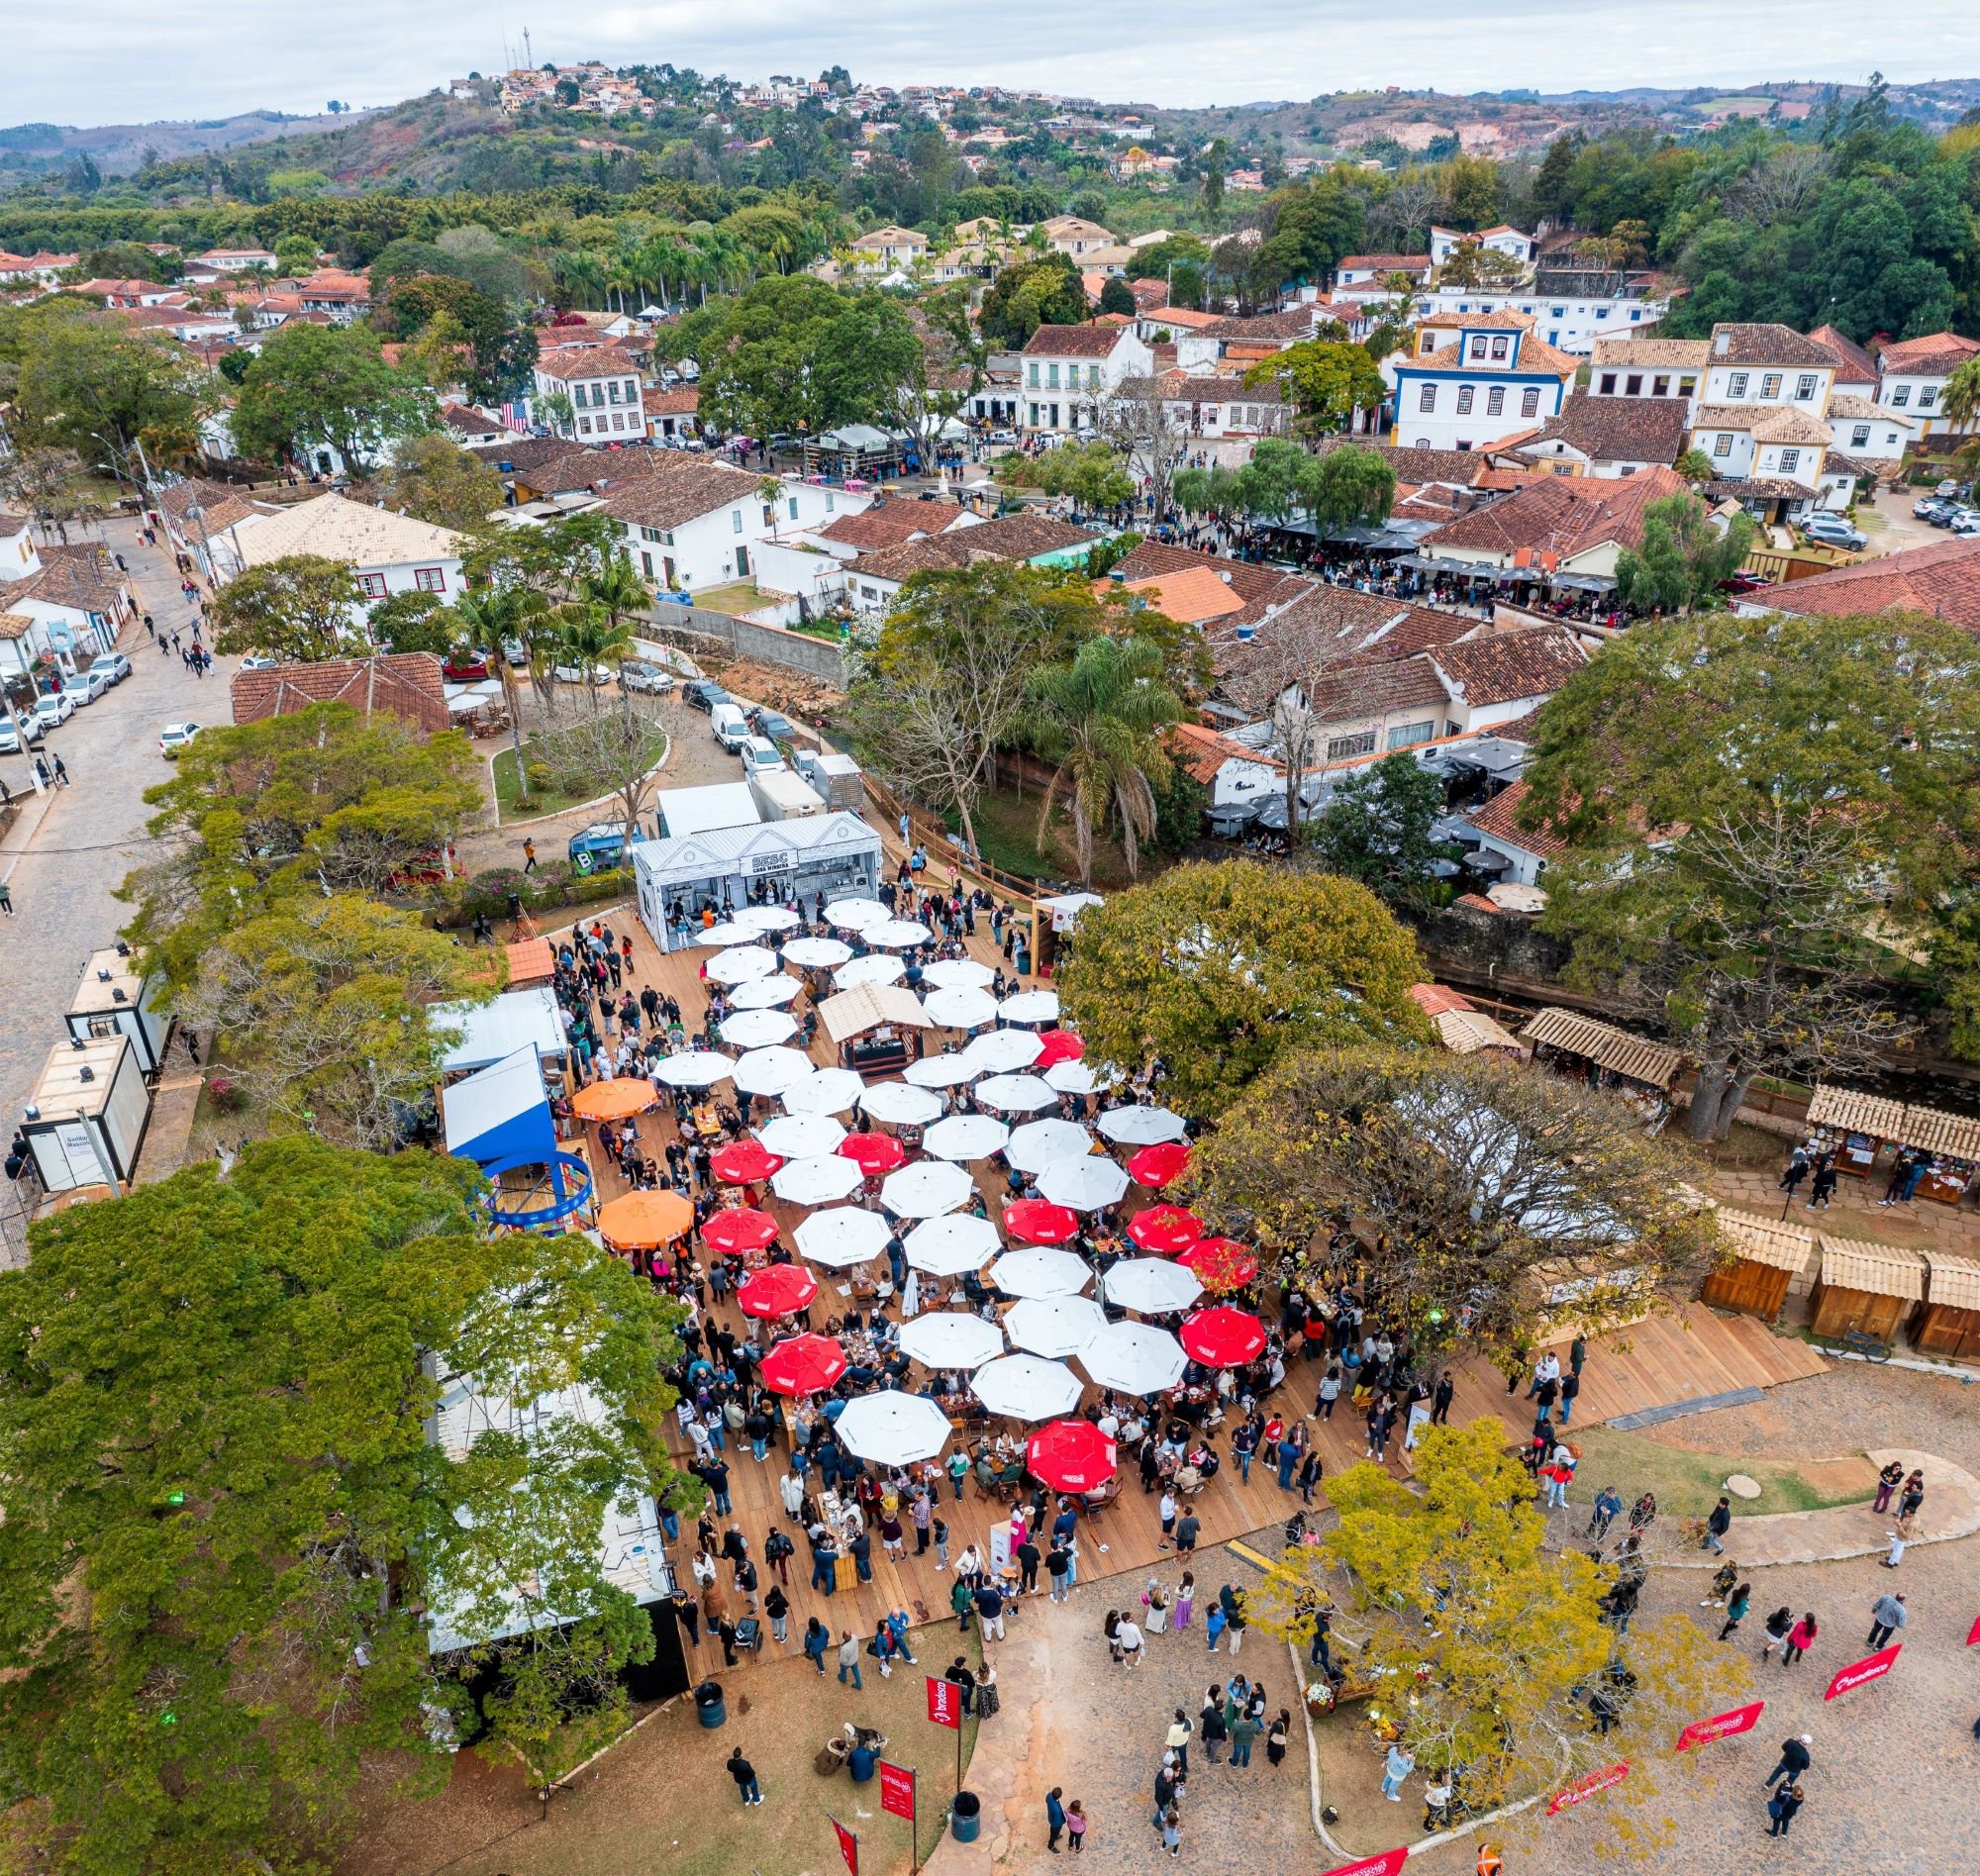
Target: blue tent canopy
501,1113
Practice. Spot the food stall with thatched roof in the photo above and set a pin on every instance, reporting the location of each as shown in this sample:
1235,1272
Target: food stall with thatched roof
1864,1286
1605,1057
1948,1322
1767,1256
1953,1141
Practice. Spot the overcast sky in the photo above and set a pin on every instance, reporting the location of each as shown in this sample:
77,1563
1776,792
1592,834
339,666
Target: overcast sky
97,62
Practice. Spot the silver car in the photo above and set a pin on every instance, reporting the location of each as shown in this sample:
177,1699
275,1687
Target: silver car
638,674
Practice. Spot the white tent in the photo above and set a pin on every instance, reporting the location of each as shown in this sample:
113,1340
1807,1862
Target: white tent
817,953
766,918
739,966
829,1091
1040,1271
1017,1094
876,967
801,1135
1001,1051
949,1070
854,914
1133,1358
1153,1286
1141,1127
1030,1006
1034,1148
926,1189
1055,1326
841,1237
897,935
772,1070
1024,1387
501,1111
1071,1078
1090,1184
900,1105
759,1028
765,993
952,1244
961,1009
950,1339
492,1032
958,973
694,1068
892,1428
966,1137
820,1180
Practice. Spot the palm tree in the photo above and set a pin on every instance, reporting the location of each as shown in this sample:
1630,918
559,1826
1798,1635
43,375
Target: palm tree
1961,404
588,634
618,591
491,615
1101,719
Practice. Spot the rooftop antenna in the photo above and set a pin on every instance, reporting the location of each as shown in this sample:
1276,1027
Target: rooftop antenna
528,51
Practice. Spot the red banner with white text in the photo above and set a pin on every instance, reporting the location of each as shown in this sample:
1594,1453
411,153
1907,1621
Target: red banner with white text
1721,1725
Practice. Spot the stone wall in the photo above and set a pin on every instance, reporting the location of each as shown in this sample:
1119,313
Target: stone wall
700,628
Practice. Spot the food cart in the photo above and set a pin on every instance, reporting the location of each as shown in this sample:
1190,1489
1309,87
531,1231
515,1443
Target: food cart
1948,1322
1767,1256
1864,1287
1856,1125
876,1027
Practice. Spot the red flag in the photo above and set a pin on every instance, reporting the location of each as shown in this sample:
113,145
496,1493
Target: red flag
1571,1795
897,1790
1721,1725
1872,1667
1974,1634
944,1702
1387,1864
848,1845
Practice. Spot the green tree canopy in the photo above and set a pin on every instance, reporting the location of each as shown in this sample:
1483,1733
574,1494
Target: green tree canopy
88,385
1117,296
1685,556
1325,380
502,346
1220,970
432,478
301,607
1040,290
326,384
1377,830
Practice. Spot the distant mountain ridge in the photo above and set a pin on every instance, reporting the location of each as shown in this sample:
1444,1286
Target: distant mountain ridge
117,149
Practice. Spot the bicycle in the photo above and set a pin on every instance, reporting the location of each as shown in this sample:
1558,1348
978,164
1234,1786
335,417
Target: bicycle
1854,1342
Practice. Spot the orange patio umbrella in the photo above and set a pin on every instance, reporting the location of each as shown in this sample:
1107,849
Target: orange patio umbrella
645,1220
615,1100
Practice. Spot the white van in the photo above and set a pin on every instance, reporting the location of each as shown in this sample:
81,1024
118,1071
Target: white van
731,728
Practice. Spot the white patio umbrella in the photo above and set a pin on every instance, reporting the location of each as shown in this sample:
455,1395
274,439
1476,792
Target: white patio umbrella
816,954
727,932
892,1428
1083,1185
694,1068
1034,1148
1003,1050
829,1091
766,918
1133,1358
897,935
759,1028
958,974
1071,1078
801,1135
1030,1006
1017,1094
1022,1386
949,1070
765,993
899,1105
737,966
953,1245
1141,1127
841,1237
876,967
855,915
926,1189
966,1137
949,1339
772,1070
1055,1326
961,1009
1038,1270
1153,1285
822,1180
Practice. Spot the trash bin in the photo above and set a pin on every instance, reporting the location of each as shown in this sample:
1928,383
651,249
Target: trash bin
861,1761
708,1704
966,1818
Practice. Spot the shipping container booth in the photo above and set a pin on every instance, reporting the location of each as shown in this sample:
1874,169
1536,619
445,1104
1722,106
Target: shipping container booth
799,863
1767,1256
85,1121
1861,1286
1948,1322
113,999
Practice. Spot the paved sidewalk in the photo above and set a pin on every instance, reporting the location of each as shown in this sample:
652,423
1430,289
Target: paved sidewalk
1921,1225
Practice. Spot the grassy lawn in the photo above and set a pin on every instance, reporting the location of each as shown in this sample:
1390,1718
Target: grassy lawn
1688,1483
1007,828
661,1800
739,596
509,806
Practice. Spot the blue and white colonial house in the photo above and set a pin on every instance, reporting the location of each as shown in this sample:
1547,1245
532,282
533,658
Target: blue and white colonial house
1475,381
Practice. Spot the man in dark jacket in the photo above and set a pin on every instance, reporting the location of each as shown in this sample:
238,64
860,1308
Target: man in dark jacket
1795,1761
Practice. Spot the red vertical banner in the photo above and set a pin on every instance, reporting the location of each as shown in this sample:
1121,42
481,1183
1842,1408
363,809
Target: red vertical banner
1872,1667
1721,1725
1387,1864
944,1702
848,1845
897,1789
1584,1788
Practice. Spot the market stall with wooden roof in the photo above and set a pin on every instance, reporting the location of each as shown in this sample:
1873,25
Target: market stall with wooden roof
1864,1286
1948,1322
1605,1056
1855,1124
1953,1141
874,1027
1767,1256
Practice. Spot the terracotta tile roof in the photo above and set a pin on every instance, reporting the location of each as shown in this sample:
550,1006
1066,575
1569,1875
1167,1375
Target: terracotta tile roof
1506,321
1940,579
1273,328
346,530
672,488
568,363
1191,597
15,625
884,525
1336,625
523,452
12,524
1384,263
403,684
76,577
1438,999
1149,293
1854,365
1183,316
1674,354
1009,538
1766,423
1073,342
1563,515
466,423
1497,820
1935,355
1414,465
1763,344
1477,902
1202,751
683,401
1503,666
1617,428
1370,688
1263,589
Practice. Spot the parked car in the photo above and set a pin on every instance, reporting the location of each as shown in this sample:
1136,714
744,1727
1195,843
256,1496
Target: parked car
1967,525
115,667
85,687
761,757
1003,439
704,693
1930,508
638,674
464,667
1831,530
1946,513
176,736
260,661
576,674
53,708
516,652
13,740
772,724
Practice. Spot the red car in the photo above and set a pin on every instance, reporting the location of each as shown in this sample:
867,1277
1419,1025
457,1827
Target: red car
464,667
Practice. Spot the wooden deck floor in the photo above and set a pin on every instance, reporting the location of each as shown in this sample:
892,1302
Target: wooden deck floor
1653,1363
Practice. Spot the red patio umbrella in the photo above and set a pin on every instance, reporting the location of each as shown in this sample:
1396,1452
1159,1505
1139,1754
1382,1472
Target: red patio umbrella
803,1364
744,1162
1039,1222
1159,1165
1166,1228
1221,1263
1070,1456
776,1290
739,1227
873,1152
1060,1045
1223,1336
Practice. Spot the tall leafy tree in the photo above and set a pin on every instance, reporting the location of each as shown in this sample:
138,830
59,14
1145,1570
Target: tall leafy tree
431,477
326,384
1377,830
1038,290
88,385
1327,382
1685,556
301,607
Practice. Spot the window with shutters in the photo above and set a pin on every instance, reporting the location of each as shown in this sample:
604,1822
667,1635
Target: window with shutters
1736,386
1464,400
1901,397
1495,400
1427,398
1722,445
1530,403
1860,436
1805,387
430,579
1770,384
